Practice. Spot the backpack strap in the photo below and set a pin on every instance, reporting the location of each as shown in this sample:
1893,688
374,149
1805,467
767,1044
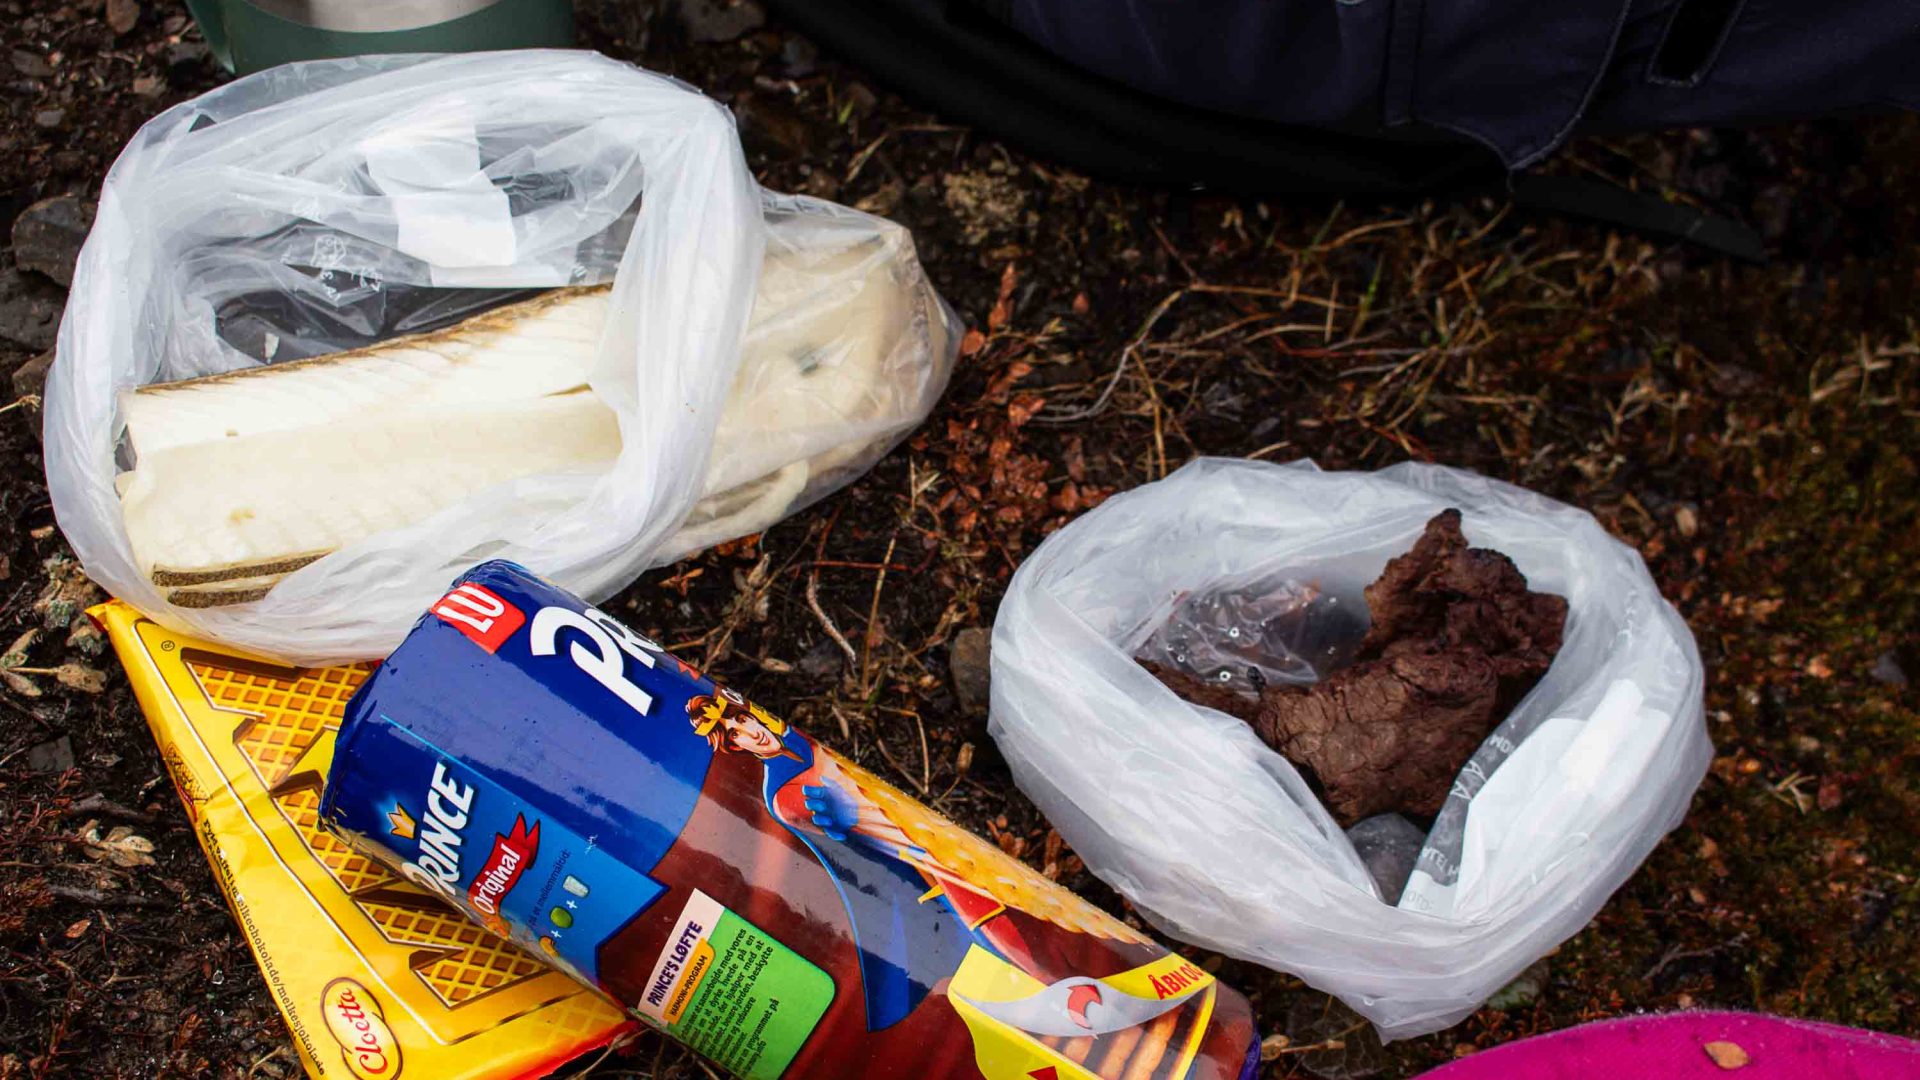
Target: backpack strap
1578,196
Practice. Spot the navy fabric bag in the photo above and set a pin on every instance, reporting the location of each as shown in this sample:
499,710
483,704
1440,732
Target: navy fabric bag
1517,76
1376,96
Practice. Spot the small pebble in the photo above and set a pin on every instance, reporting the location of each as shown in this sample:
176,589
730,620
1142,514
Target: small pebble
1389,846
798,58
32,65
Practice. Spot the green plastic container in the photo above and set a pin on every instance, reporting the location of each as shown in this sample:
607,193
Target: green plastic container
248,35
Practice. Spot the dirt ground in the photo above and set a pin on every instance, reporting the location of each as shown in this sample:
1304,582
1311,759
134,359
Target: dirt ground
1752,431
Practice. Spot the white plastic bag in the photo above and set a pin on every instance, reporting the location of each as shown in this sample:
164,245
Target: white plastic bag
1218,839
337,203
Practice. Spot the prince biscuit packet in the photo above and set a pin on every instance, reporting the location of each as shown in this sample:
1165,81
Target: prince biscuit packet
375,977
571,786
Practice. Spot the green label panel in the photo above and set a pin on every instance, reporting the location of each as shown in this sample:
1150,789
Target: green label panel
736,995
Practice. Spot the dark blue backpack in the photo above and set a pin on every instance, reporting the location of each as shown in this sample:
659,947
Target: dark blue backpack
1376,96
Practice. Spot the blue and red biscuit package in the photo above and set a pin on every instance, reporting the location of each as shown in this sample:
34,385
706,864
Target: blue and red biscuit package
565,782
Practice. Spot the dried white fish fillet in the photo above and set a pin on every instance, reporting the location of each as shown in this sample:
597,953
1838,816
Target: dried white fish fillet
815,363
750,508
266,503
243,478
514,353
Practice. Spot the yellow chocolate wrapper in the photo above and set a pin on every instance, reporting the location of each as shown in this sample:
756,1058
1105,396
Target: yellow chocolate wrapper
375,978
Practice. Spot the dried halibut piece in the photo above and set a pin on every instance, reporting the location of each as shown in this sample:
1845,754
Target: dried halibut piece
1456,640
247,507
519,352
245,477
228,575
222,595
822,357
750,508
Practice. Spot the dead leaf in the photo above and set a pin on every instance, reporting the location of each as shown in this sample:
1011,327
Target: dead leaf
16,653
1075,457
680,582
1828,796
1002,312
19,684
78,928
1024,408
123,15
78,676
1819,668
1271,1046
52,756
750,589
1009,843
66,595
87,637
1727,1055
122,847
1002,384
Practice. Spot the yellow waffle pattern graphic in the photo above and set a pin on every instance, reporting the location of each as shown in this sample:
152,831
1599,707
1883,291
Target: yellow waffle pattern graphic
291,715
250,743
288,709
355,872
466,976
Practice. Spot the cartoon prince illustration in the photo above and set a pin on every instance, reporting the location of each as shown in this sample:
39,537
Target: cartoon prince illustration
913,917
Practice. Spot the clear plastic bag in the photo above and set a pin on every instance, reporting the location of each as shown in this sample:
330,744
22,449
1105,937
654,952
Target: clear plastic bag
322,206
1218,839
1278,629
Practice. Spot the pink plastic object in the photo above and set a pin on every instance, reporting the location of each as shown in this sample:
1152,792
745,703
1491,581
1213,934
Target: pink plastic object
1697,1046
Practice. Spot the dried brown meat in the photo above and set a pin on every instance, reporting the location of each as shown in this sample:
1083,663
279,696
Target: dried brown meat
1386,735
1456,640
1202,692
